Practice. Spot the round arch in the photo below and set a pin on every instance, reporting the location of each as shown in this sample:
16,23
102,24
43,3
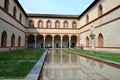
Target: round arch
13,40
87,41
48,23
40,41
73,41
57,40
65,41
4,39
100,40
31,40
57,24
48,41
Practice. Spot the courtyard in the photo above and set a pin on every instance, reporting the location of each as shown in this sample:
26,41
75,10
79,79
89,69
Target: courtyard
82,44
18,64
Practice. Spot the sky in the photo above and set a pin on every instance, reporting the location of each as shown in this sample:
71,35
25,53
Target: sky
72,7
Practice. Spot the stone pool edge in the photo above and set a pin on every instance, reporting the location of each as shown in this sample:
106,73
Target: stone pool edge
108,62
35,72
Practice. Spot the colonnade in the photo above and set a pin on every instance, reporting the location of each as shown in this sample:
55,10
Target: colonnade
62,38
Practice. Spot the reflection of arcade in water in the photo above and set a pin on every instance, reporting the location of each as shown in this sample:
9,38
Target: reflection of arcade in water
62,65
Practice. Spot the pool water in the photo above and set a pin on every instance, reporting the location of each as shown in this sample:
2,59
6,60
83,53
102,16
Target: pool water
62,65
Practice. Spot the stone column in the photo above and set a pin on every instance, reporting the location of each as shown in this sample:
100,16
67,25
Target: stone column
44,42
61,41
69,41
52,42
35,41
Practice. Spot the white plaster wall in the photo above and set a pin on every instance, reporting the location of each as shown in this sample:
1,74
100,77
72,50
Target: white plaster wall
93,12
2,3
11,20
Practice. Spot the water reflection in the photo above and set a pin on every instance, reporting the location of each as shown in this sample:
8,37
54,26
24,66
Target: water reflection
62,65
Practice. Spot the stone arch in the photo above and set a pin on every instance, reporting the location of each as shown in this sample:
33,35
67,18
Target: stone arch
48,41
100,40
73,41
31,41
40,41
87,41
4,39
13,40
57,40
65,41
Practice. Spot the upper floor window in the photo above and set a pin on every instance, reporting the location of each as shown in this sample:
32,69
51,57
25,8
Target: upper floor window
6,5
40,24
57,24
100,10
14,12
87,19
65,24
20,18
48,24
31,24
74,25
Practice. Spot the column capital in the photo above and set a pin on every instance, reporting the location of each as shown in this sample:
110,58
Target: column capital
35,35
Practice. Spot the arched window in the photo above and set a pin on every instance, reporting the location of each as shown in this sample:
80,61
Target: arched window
87,19
100,10
74,25
14,12
57,24
31,24
20,18
13,41
87,41
100,40
40,24
65,24
6,5
48,24
4,39
19,41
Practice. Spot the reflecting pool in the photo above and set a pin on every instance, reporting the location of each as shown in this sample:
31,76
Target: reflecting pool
62,65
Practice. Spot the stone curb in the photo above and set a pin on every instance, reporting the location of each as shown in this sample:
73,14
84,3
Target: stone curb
108,61
35,72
